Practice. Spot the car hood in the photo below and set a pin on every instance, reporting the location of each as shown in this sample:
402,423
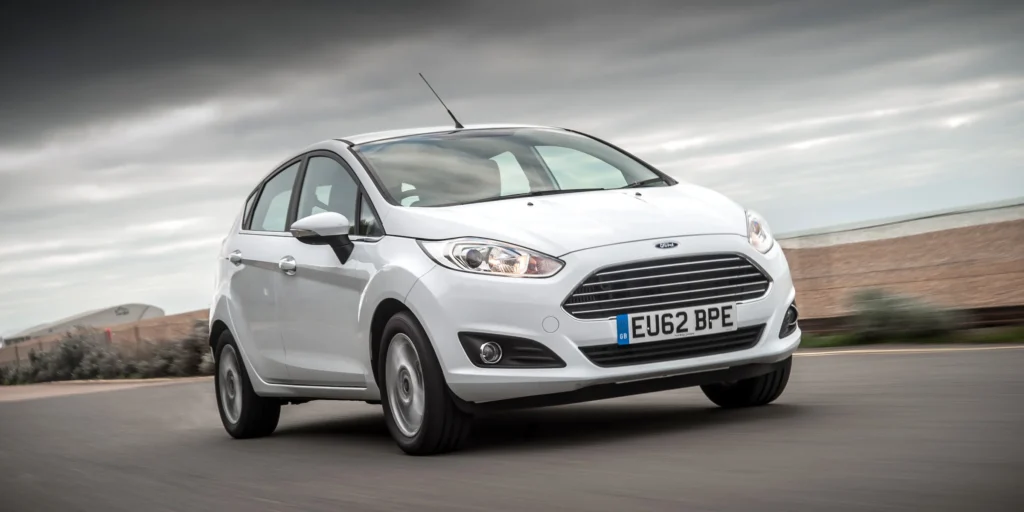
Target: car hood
565,223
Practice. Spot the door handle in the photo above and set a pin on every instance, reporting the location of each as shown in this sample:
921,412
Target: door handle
235,257
287,265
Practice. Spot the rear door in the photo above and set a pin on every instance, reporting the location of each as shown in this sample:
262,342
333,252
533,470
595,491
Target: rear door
319,304
255,284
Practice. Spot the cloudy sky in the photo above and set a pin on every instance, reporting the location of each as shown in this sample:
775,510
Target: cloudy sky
129,135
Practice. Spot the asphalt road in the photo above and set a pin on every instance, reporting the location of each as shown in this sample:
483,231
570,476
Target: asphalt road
898,431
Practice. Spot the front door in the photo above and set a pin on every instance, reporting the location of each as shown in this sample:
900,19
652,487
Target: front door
318,304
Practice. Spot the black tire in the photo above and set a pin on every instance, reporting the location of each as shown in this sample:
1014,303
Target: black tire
259,416
753,392
444,426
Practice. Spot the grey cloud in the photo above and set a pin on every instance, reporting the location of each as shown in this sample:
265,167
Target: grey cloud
127,115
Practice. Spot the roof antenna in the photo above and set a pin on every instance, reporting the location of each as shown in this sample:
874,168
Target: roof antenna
458,125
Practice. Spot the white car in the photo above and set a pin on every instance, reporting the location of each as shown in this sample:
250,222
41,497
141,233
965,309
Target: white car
444,272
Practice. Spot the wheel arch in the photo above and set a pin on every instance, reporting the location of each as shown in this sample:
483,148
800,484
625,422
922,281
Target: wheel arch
217,328
386,309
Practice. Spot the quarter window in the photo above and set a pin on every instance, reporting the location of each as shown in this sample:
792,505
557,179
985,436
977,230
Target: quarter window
248,209
271,212
368,223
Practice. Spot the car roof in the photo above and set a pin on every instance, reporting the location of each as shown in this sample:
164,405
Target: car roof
363,138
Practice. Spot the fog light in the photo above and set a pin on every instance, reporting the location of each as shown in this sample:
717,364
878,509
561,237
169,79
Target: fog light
789,321
490,352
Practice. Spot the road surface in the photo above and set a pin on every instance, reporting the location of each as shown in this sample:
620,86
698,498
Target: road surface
862,431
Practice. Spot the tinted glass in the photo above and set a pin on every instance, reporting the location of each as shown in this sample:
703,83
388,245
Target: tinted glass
328,187
368,223
271,212
576,169
480,165
248,209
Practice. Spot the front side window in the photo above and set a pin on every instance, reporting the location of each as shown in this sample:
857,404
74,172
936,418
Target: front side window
483,165
271,213
328,187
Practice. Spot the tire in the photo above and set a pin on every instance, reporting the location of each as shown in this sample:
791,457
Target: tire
752,392
253,416
409,372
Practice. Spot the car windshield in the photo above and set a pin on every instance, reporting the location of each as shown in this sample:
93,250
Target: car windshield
471,166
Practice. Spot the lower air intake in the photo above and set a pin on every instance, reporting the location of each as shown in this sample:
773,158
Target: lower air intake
670,350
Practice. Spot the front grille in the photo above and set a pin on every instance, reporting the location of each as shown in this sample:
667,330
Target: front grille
669,350
656,285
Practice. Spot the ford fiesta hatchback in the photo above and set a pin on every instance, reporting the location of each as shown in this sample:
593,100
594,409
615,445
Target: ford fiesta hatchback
444,272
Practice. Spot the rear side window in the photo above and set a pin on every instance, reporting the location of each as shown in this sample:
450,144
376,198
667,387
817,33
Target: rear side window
271,213
246,213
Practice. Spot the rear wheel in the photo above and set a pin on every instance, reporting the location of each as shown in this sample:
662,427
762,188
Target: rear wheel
752,392
243,413
418,409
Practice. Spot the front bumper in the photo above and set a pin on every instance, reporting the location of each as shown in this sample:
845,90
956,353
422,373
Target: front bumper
448,302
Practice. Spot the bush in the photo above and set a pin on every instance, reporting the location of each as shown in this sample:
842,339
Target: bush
84,354
879,315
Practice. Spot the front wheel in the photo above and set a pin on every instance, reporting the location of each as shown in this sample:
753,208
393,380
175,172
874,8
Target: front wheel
418,409
752,392
243,413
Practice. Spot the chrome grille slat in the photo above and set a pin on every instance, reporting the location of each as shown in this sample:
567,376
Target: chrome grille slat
681,283
639,287
697,290
686,264
641,278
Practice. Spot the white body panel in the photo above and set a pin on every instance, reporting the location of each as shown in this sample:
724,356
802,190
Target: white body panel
254,286
448,302
585,219
308,334
319,306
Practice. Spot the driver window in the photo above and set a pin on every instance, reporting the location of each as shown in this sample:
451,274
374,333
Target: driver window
328,187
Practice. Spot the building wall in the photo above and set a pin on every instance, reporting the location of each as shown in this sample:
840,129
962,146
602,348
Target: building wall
968,267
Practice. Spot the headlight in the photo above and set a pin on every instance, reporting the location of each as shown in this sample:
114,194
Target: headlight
489,257
758,232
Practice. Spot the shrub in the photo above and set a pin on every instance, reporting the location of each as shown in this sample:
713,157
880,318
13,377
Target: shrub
84,354
881,315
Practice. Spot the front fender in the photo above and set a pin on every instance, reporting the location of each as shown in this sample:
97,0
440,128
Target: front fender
407,263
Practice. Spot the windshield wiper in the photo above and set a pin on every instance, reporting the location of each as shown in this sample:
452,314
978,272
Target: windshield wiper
644,183
537,193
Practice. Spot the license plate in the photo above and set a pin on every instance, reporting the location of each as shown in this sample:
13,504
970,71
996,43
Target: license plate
675,323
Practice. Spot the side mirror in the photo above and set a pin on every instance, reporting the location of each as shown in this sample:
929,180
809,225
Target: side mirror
321,225
327,228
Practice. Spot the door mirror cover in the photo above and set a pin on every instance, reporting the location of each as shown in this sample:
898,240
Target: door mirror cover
321,225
